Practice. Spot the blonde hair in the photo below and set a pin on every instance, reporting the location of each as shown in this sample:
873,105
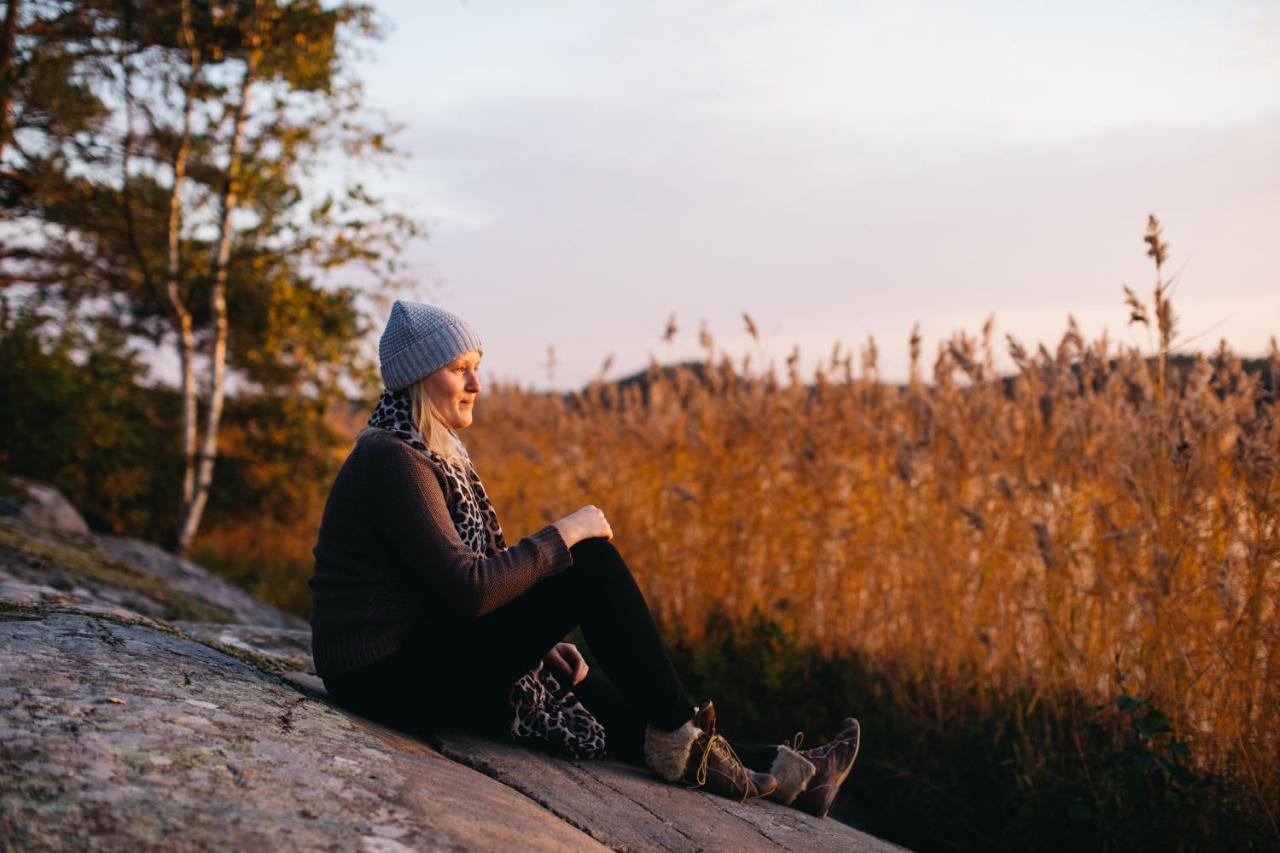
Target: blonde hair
439,437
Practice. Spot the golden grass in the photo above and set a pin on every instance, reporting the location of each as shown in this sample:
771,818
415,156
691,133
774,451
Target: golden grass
1073,527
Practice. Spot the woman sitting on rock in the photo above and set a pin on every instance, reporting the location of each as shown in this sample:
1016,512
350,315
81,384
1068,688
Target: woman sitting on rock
424,618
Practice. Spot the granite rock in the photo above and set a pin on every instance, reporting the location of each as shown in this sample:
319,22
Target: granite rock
41,505
185,576
117,736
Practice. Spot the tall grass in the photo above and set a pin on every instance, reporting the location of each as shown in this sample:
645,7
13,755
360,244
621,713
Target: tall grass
1101,525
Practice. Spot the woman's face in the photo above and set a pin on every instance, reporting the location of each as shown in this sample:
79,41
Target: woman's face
453,389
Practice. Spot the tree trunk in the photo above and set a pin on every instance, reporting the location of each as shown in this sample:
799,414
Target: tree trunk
186,335
218,307
8,77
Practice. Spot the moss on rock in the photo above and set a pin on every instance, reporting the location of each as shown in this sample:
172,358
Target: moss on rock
58,553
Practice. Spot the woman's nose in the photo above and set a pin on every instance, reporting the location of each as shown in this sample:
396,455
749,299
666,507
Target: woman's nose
473,383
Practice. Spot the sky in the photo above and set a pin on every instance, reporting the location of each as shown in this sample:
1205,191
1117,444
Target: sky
834,170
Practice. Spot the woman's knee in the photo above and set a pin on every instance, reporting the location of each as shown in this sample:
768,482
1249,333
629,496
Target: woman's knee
598,555
600,562
595,548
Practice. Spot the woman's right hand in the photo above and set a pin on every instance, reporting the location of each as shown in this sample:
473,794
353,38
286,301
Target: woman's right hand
586,523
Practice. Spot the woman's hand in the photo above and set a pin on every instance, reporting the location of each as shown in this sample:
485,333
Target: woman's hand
587,523
567,660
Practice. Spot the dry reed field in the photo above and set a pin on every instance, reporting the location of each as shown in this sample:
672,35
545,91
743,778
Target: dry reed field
1098,524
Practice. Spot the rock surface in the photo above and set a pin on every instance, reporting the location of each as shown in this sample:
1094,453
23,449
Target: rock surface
118,736
39,564
625,807
291,647
145,703
41,505
185,576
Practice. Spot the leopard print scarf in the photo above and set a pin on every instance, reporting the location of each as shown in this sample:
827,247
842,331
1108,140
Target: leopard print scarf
469,506
542,710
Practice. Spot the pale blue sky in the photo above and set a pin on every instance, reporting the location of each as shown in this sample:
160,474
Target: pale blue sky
835,170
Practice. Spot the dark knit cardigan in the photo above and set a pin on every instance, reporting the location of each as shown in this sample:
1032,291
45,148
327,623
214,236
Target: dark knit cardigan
388,557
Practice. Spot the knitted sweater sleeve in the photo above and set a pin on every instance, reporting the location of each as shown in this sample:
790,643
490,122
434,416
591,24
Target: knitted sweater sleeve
400,487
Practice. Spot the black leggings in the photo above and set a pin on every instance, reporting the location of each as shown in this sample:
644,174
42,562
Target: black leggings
458,671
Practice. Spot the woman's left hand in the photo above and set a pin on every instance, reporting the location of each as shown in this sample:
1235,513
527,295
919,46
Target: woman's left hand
566,658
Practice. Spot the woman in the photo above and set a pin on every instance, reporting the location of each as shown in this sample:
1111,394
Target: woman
423,617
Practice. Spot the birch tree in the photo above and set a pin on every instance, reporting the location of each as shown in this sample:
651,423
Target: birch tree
183,193
197,477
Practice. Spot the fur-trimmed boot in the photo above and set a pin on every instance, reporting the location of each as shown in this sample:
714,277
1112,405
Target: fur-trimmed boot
810,779
702,758
793,772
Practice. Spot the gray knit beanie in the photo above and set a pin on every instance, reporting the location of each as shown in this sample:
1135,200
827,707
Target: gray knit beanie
419,340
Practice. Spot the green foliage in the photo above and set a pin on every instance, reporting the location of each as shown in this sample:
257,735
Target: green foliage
277,453
75,414
1149,792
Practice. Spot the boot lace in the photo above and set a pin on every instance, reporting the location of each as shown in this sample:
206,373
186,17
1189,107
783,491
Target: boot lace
723,751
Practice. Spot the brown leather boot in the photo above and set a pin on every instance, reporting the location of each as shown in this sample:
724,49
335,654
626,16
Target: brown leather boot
832,762
714,765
